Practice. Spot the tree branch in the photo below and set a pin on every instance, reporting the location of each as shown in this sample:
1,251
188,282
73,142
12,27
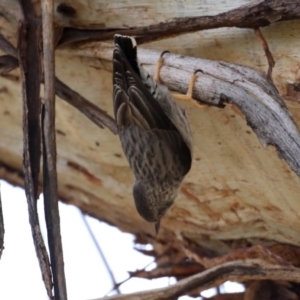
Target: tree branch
89,109
7,47
29,61
220,83
254,15
49,156
7,64
235,271
271,61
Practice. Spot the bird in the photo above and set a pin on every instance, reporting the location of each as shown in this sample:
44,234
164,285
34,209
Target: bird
153,129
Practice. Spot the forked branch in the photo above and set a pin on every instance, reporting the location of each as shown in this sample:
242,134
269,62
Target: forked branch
235,271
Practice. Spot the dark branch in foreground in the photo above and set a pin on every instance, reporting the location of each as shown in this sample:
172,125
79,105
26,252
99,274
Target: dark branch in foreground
89,109
49,156
29,61
253,16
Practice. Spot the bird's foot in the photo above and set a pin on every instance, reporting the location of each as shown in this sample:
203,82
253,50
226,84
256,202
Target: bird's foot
189,95
159,65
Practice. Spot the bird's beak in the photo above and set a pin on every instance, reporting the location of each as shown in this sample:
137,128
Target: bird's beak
157,225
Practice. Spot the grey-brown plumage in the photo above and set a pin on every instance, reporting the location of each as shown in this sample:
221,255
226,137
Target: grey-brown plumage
153,130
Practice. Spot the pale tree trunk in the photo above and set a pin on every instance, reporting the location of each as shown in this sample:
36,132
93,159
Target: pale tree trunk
238,213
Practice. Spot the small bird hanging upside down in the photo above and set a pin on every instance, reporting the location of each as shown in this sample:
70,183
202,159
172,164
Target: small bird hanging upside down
153,130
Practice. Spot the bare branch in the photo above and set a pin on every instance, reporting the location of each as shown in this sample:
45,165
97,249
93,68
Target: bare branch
89,109
254,15
178,270
7,64
234,271
49,156
7,47
131,275
220,83
29,61
271,61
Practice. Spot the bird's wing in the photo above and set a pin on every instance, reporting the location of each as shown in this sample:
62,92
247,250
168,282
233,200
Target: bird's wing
133,103
173,140
162,153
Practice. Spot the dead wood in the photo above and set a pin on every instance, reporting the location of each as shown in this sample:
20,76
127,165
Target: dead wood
29,61
271,61
220,83
90,110
49,156
253,15
235,271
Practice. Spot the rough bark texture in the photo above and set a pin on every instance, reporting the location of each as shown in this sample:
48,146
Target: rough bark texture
240,193
29,53
50,187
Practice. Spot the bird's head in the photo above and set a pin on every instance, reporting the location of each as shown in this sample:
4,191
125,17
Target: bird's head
152,201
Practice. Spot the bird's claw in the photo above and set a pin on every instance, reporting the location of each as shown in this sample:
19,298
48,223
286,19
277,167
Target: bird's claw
159,65
189,95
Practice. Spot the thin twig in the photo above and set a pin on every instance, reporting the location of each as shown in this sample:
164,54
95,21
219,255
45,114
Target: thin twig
253,16
29,62
89,109
235,271
49,156
111,274
2,231
143,270
271,61
131,275
7,47
7,64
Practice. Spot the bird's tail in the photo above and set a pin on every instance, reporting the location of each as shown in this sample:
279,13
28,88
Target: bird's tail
128,47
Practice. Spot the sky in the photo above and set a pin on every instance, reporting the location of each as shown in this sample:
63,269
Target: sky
86,275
